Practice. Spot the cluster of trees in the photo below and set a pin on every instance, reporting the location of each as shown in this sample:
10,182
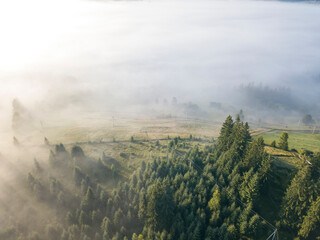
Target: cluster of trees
301,203
210,193
283,142
266,98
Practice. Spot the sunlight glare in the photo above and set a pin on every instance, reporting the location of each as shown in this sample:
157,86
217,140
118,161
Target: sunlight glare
30,30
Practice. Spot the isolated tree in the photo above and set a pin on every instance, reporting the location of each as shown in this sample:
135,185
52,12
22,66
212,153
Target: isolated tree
15,142
283,141
171,144
307,120
46,141
176,140
77,152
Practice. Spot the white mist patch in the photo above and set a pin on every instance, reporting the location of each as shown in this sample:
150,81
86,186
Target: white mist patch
139,50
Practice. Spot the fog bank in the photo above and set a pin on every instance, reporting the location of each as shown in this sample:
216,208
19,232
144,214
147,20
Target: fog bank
106,55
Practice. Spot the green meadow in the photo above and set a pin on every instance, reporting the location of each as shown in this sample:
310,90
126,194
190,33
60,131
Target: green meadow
297,140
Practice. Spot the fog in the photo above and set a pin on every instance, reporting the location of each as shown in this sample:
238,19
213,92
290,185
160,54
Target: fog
65,62
104,55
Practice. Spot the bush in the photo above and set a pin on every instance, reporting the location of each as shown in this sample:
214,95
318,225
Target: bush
305,152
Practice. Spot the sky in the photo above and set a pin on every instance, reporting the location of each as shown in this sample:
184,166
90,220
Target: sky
90,52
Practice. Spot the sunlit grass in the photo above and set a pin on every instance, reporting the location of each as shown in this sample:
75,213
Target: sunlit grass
297,140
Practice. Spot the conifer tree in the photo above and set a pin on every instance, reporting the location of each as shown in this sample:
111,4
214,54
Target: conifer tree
311,221
224,142
283,141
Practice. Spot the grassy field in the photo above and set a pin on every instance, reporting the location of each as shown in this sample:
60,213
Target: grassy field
139,128
98,137
284,158
297,140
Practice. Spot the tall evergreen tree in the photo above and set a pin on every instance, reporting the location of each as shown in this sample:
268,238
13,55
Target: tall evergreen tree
283,141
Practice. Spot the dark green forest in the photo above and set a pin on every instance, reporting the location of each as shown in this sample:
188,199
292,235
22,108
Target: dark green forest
230,189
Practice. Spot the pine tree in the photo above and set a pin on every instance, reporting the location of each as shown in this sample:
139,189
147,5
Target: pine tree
311,221
283,141
89,201
106,227
77,152
224,142
301,191
249,187
197,233
83,218
77,176
160,206
142,207
214,203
